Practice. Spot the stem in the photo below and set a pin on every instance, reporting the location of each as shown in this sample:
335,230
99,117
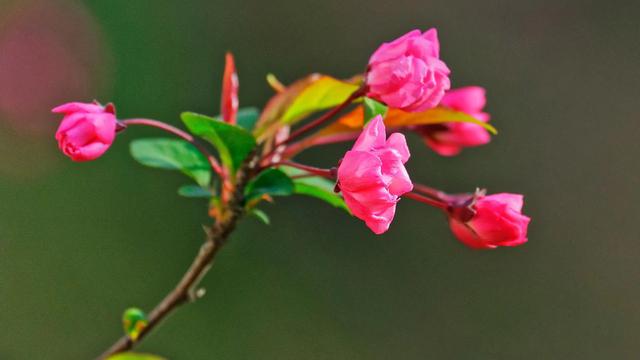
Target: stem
433,192
326,173
183,291
317,122
181,134
297,147
427,200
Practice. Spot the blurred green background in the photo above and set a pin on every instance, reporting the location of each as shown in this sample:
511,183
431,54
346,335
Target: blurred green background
81,242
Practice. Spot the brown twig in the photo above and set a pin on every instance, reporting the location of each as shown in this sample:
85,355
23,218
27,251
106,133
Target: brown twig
184,290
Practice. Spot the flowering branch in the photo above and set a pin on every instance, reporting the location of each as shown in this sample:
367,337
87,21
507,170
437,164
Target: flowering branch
405,75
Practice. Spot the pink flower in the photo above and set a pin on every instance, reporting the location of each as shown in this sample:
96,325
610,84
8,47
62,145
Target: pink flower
86,131
407,73
372,175
449,139
490,221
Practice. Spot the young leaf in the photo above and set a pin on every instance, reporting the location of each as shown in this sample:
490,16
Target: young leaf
232,142
313,93
133,321
315,187
324,93
229,100
269,182
353,122
194,191
134,356
172,154
439,115
247,118
261,215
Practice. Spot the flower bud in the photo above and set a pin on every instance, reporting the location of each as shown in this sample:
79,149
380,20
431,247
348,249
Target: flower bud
486,222
87,130
372,175
407,73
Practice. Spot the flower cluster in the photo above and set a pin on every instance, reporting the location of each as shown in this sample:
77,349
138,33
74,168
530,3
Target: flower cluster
406,88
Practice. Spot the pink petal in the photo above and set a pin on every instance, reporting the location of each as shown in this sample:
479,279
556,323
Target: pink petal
391,50
398,142
72,107
105,127
373,135
513,201
359,170
468,99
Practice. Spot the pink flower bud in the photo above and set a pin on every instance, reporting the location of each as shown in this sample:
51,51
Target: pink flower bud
449,139
490,221
86,131
372,175
407,73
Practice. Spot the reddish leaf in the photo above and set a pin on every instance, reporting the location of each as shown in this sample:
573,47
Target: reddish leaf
230,84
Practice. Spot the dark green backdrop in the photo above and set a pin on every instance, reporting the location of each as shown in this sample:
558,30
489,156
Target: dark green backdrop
81,242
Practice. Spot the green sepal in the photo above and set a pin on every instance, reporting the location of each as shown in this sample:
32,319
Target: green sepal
372,109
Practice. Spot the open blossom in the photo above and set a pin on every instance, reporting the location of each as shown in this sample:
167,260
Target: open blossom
87,130
449,139
407,73
372,176
491,221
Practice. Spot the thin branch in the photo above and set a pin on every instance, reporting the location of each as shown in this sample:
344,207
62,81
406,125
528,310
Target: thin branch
326,173
182,293
433,192
426,200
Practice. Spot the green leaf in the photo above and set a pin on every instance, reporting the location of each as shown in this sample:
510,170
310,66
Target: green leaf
194,191
324,93
269,182
247,118
315,186
372,109
133,321
261,215
134,356
310,94
172,154
438,115
232,142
